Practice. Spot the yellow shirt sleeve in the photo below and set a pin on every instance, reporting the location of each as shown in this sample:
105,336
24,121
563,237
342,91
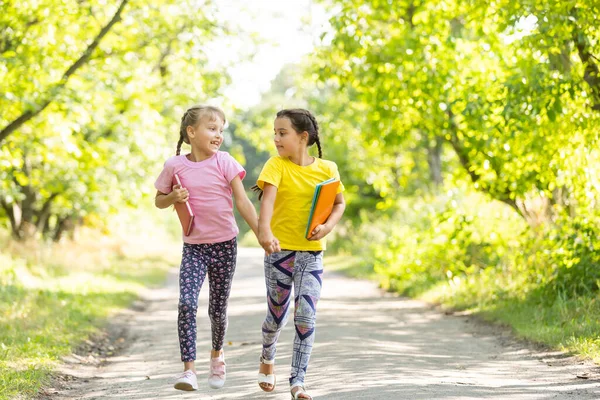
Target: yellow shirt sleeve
271,173
336,174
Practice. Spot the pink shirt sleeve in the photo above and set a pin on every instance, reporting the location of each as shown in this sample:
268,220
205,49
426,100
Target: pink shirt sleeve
164,181
230,167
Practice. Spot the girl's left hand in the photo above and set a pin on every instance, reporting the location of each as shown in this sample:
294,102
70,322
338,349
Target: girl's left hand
319,232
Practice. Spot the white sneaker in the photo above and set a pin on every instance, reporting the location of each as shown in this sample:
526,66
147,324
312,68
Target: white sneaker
187,381
216,375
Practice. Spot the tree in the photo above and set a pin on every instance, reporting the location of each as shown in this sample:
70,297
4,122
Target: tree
10,42
88,139
427,71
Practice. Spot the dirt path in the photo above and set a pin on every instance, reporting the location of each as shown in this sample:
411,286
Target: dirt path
369,345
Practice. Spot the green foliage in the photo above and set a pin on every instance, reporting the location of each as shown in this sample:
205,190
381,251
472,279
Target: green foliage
501,98
419,72
443,239
103,125
53,297
465,133
563,261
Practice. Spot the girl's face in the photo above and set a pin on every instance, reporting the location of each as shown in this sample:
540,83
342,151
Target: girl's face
207,136
287,141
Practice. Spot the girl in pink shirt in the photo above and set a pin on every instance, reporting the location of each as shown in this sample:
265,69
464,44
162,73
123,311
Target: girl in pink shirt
209,178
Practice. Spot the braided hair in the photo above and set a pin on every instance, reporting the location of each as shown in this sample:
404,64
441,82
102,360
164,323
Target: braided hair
192,116
302,121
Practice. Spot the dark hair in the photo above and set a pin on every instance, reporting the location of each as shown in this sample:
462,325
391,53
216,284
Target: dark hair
192,116
302,121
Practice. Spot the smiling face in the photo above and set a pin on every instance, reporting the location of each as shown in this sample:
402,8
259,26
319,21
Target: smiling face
207,136
287,141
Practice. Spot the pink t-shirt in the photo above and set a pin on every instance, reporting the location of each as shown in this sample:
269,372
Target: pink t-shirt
209,185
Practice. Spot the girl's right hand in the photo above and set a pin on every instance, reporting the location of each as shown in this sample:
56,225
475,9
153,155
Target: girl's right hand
275,247
180,194
269,242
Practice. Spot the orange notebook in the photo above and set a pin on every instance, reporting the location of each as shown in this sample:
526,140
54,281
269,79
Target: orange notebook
322,204
184,211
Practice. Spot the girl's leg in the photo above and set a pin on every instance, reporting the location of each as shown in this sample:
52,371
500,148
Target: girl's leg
307,289
279,268
222,259
191,276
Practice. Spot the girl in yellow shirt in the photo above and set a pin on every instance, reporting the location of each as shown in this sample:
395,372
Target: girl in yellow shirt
287,183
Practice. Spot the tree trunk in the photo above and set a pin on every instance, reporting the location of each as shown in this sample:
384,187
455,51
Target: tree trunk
465,161
10,212
591,74
64,224
44,213
434,160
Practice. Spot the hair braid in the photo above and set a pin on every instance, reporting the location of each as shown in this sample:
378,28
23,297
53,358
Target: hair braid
179,143
315,137
318,143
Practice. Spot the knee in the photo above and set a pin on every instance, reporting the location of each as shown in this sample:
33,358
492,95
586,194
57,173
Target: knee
305,323
217,317
271,325
187,306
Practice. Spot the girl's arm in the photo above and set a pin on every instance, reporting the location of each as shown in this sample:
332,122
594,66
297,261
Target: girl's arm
244,205
178,195
320,231
265,236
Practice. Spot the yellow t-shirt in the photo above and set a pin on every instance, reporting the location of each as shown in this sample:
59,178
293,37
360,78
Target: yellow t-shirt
295,189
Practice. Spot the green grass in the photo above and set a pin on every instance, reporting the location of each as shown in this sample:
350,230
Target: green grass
569,324
52,298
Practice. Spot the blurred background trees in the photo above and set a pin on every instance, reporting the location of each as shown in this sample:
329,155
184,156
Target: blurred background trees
465,131
91,96
474,125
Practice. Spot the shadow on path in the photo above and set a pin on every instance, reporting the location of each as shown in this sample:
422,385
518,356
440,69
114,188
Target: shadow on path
369,345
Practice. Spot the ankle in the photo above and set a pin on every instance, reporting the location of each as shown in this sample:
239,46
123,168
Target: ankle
189,366
267,362
266,368
216,353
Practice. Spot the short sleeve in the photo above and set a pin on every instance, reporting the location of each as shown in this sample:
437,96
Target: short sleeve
336,174
271,173
164,181
230,167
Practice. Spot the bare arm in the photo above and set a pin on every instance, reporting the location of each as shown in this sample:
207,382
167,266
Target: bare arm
244,205
320,231
265,235
178,194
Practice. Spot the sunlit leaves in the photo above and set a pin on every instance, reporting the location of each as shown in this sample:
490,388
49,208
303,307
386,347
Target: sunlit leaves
499,82
109,128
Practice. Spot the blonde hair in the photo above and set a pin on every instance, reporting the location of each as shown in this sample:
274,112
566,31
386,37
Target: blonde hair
192,116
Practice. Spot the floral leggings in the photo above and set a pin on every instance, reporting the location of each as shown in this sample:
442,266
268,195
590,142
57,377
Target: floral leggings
301,270
218,261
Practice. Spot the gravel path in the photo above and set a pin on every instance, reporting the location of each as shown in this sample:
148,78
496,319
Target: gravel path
369,345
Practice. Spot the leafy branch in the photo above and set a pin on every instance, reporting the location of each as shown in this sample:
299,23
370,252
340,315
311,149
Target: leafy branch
56,88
